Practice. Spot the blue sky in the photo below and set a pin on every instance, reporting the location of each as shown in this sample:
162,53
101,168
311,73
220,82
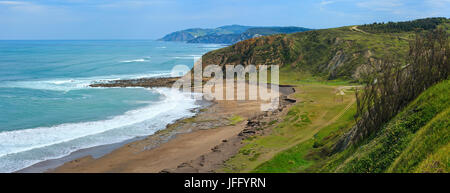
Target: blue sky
151,19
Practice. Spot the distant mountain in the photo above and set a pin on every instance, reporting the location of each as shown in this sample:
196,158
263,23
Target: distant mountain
190,34
229,34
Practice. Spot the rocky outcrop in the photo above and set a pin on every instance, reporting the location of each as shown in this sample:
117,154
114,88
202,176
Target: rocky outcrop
250,52
142,82
336,62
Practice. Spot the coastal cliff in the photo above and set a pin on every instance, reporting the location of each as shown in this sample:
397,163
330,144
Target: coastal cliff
330,53
343,52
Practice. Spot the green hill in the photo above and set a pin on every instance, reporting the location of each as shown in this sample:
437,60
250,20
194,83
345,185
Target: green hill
342,52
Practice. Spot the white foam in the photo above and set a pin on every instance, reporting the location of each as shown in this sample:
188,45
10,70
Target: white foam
61,140
75,83
212,45
146,59
188,57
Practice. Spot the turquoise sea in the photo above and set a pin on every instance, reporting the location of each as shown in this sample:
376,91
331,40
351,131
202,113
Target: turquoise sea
47,110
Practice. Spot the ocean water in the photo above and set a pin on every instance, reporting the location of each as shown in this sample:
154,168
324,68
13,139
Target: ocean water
47,110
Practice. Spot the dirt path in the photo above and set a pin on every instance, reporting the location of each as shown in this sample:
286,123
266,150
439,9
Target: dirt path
355,28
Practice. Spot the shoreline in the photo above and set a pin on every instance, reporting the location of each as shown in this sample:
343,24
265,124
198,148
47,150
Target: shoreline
215,131
102,150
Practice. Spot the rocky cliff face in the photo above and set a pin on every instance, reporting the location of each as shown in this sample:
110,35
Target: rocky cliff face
250,52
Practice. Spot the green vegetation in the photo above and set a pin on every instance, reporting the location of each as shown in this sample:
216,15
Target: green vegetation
292,77
396,27
235,119
317,111
387,136
304,154
417,140
436,162
412,131
432,137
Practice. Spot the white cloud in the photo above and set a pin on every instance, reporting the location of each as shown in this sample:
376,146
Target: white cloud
21,6
132,4
439,3
439,7
380,5
13,3
326,2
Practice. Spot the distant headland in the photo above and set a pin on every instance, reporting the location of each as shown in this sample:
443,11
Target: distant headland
229,34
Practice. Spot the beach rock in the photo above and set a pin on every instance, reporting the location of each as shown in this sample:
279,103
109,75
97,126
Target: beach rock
215,149
165,171
247,132
253,123
142,82
184,165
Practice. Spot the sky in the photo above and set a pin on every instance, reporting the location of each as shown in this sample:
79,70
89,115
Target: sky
152,19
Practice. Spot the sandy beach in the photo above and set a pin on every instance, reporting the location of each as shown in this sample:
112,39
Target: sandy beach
198,144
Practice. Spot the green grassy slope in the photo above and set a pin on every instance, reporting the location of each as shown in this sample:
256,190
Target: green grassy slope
415,140
304,155
317,115
428,140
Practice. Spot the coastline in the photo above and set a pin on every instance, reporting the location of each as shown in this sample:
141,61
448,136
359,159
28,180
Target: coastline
102,150
178,147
